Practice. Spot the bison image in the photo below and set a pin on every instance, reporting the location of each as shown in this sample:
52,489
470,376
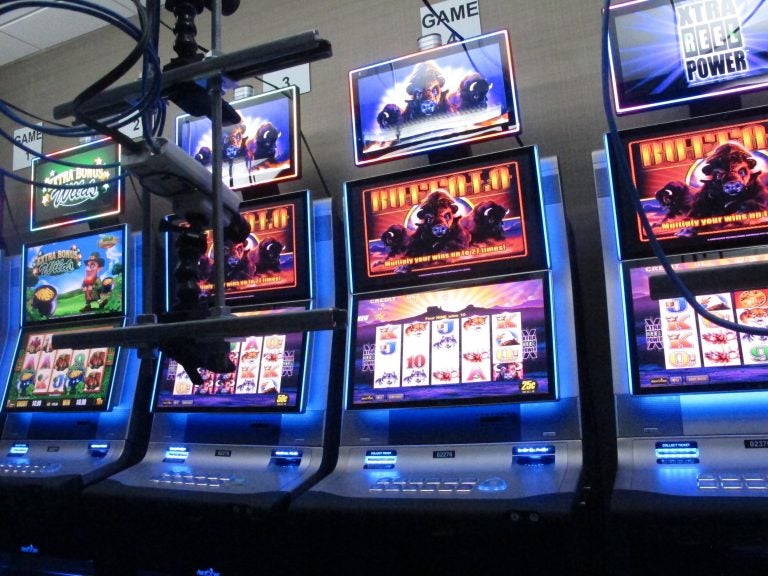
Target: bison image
676,199
487,222
269,256
439,229
732,187
395,238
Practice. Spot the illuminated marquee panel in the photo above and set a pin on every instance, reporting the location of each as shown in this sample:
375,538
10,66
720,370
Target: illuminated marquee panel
702,183
453,94
263,148
462,219
676,350
99,197
667,53
271,265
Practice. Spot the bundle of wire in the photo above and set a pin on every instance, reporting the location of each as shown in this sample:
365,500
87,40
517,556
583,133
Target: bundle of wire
149,107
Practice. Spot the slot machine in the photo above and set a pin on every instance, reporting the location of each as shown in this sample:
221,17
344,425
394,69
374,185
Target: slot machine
683,219
9,306
74,414
461,390
230,448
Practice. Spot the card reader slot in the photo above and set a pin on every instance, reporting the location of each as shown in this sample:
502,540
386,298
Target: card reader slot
711,280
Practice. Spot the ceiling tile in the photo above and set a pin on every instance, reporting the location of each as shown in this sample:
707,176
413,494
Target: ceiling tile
12,49
15,14
50,26
26,30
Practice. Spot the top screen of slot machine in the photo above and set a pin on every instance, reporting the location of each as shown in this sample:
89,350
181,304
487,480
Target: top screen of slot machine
453,94
458,220
675,349
702,183
666,53
75,185
262,148
81,277
272,264
479,344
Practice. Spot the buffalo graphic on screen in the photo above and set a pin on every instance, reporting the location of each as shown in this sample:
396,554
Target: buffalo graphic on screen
730,191
443,229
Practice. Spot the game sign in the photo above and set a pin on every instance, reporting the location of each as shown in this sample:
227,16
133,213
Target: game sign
79,277
268,376
49,379
666,53
473,345
272,263
455,220
262,148
676,350
100,195
702,184
453,94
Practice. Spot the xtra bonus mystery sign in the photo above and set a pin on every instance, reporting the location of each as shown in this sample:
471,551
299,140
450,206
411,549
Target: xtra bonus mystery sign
77,184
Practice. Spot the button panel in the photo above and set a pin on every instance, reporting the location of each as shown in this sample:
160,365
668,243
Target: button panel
198,480
424,485
733,481
18,469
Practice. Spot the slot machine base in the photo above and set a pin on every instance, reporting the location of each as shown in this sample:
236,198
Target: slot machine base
449,510
704,509
203,504
486,479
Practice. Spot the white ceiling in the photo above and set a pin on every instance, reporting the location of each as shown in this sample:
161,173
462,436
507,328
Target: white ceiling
25,31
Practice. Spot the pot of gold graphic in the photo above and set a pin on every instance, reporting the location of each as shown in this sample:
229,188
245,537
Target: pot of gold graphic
106,286
44,300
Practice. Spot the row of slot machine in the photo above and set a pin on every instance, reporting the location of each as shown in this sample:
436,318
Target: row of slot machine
682,210
452,390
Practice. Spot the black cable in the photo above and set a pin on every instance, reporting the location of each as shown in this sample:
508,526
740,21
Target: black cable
317,168
615,148
94,10
436,15
150,97
306,144
110,78
461,39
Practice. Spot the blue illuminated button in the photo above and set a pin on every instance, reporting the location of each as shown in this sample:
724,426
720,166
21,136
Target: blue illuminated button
494,484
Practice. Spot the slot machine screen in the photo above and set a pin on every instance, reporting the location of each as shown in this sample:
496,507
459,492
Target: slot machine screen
262,149
458,220
271,265
480,344
453,94
673,349
666,53
702,183
79,277
97,170
269,377
47,379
